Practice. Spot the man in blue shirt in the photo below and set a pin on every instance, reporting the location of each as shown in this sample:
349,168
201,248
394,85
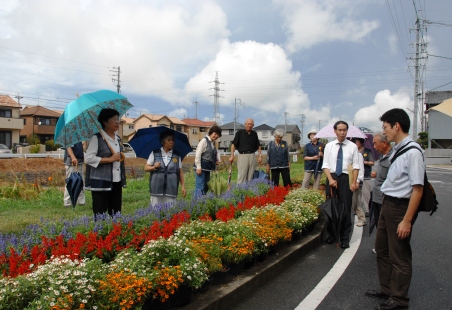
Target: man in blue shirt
402,191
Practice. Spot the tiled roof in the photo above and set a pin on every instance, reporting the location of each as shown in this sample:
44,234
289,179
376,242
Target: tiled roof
197,122
436,97
38,111
289,128
7,101
231,126
264,127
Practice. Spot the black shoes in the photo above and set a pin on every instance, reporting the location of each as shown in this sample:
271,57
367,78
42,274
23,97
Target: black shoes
345,244
389,305
376,294
329,240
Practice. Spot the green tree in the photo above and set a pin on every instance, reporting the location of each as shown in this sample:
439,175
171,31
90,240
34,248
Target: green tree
423,139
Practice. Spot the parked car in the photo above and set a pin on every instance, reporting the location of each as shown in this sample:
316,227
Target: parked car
4,149
127,147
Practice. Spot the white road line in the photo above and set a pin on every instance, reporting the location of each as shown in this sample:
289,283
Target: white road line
322,289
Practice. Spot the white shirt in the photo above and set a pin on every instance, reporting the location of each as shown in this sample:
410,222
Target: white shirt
406,171
93,160
201,148
349,155
165,156
361,168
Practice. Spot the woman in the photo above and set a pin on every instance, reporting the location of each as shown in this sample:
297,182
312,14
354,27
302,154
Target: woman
313,159
206,159
165,166
105,171
278,159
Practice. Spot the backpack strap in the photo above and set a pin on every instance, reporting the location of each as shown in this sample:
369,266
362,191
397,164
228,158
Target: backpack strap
403,150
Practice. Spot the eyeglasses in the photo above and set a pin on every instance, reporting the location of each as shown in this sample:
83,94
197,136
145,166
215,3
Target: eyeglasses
114,119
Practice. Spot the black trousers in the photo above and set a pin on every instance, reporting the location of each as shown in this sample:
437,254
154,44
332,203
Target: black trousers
108,201
285,173
345,195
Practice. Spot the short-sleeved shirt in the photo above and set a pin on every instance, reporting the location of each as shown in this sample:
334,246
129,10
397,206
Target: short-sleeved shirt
368,156
407,170
382,172
350,156
246,142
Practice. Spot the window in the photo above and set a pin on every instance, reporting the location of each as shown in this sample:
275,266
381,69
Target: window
46,121
194,131
132,126
5,113
265,134
5,138
171,126
231,132
202,129
179,128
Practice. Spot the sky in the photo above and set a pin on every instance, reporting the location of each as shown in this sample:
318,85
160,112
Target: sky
276,61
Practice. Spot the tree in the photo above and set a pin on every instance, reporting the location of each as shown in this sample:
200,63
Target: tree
423,139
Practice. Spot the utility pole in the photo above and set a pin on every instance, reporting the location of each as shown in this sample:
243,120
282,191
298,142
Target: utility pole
416,82
216,99
118,80
285,122
302,128
18,97
196,108
235,110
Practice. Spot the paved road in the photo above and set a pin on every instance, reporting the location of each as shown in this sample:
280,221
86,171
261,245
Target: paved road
431,285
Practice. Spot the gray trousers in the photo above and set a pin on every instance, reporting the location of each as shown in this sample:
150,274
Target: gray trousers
367,189
357,206
246,164
307,179
81,197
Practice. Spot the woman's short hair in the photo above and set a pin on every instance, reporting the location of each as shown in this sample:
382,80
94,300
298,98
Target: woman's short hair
213,129
278,133
164,135
105,115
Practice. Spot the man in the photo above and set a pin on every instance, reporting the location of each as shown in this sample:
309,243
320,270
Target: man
337,156
367,182
356,198
246,143
383,147
73,161
313,158
402,191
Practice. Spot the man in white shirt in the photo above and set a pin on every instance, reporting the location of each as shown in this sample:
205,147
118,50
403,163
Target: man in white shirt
338,155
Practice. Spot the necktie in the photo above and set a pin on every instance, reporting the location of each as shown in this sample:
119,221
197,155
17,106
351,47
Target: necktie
340,158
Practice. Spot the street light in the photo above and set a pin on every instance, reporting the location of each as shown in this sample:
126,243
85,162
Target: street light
320,120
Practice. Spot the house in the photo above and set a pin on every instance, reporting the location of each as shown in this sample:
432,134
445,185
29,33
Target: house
38,121
227,134
196,130
440,125
292,136
433,98
127,128
151,120
10,122
264,133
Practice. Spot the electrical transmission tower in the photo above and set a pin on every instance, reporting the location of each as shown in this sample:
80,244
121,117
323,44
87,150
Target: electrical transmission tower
216,99
196,108
117,71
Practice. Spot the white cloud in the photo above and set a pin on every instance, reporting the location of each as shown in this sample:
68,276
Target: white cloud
393,44
179,113
311,22
370,116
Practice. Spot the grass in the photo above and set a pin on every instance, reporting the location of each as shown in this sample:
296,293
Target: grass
27,204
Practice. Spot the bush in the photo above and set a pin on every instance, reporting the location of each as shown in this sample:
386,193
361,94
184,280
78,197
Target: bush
34,149
50,145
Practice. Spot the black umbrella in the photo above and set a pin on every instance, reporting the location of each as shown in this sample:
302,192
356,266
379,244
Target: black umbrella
74,185
374,214
334,212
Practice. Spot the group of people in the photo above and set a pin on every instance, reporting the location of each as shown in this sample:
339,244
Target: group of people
396,194
347,164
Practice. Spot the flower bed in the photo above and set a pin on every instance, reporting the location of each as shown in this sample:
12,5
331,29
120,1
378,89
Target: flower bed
132,263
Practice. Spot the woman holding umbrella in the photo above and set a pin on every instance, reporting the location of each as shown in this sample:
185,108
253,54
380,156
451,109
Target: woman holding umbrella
105,171
313,159
165,166
206,159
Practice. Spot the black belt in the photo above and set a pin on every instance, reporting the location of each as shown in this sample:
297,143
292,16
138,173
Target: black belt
247,152
395,199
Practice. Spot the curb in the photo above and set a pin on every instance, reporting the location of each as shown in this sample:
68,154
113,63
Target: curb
226,296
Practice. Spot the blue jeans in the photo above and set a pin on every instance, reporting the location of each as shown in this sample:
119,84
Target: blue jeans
201,182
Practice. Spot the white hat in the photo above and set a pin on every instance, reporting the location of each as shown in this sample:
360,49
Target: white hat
312,131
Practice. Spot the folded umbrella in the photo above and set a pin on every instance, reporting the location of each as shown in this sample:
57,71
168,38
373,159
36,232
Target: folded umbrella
74,185
334,212
217,184
374,214
146,140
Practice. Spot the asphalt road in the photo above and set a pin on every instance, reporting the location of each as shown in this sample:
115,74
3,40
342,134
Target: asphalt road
431,285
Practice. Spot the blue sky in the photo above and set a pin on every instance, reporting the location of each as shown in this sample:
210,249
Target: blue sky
324,59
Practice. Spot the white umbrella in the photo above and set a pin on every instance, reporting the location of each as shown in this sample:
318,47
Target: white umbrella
328,132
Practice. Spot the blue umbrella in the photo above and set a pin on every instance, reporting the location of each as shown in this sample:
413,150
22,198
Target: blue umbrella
146,140
79,122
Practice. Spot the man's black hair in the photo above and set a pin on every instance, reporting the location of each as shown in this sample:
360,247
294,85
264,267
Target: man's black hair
338,123
397,116
105,115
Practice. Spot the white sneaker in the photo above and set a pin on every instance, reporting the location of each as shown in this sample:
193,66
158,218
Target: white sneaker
373,251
